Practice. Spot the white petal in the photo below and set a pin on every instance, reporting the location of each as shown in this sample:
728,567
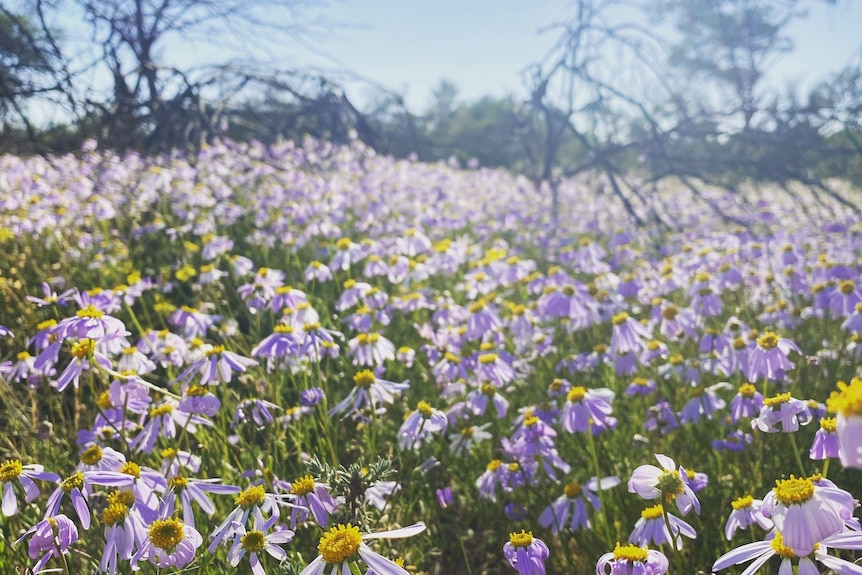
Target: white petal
316,567
378,563
408,531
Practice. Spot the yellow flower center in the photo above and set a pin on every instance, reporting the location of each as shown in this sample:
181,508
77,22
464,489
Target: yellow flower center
10,470
794,490
424,408
90,312
165,409
252,496
747,390
125,497
81,349
828,424
302,486
131,468
779,547
670,312
114,513
630,552
489,389
367,338
343,244
848,399
476,306
576,394
283,329
177,483
166,533
23,356
104,400
573,489
364,378
769,340
494,465
92,455
522,539
76,480
530,421
653,512
339,543
487,358
846,287
253,541
777,400
48,323
742,502
217,349
600,348
620,318
513,467
195,390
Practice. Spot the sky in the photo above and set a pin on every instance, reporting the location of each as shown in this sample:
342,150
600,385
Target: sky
483,46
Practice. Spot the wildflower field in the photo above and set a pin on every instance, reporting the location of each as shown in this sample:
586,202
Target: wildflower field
313,359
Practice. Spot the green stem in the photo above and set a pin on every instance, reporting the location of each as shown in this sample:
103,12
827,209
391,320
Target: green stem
595,457
796,454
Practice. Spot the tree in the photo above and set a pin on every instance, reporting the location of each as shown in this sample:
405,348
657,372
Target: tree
26,65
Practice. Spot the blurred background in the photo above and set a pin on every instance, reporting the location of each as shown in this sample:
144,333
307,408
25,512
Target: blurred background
707,92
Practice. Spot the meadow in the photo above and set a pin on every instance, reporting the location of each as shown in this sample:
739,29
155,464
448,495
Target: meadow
314,359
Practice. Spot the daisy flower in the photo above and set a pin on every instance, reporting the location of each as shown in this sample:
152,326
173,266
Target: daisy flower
370,349
651,482
526,553
368,390
421,425
78,487
747,403
825,444
632,560
847,403
343,544
760,552
769,357
257,540
782,413
248,501
217,366
587,409
573,502
90,323
13,469
652,529
169,543
49,538
182,490
311,496
746,512
628,334
806,513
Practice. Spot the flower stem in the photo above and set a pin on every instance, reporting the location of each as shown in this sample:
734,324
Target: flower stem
796,454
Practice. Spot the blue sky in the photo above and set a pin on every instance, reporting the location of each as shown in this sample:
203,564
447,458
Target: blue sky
483,45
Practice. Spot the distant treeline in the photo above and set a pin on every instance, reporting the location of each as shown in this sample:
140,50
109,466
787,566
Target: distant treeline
676,90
